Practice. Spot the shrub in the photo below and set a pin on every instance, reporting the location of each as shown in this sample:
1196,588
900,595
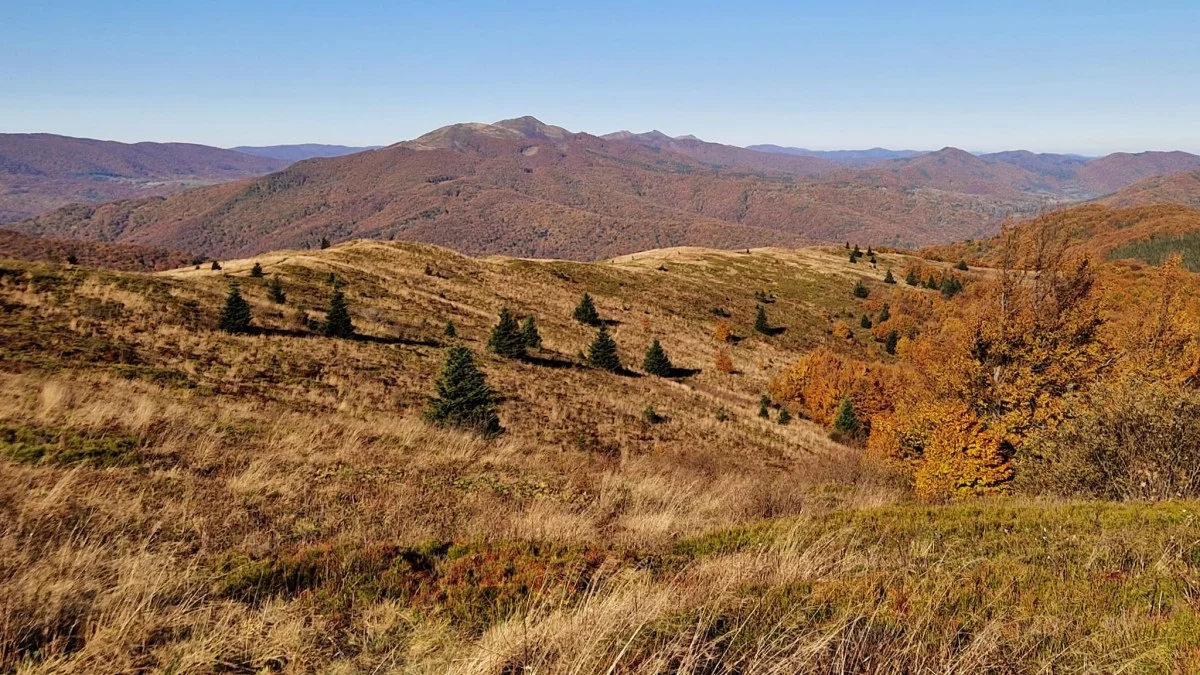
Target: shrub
1135,440
463,398
275,290
656,361
785,417
761,324
337,319
507,339
602,353
722,414
721,332
256,271
724,362
585,311
235,315
861,290
651,416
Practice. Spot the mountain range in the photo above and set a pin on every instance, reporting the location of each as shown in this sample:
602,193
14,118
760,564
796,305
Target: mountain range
524,188
301,151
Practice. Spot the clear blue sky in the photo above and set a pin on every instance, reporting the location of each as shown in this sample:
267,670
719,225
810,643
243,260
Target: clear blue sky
1063,75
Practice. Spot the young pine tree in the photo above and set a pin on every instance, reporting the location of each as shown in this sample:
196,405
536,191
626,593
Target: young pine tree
216,266
888,278
275,290
324,243
785,417
961,265
889,345
761,324
256,271
530,334
865,321
763,410
846,421
337,319
950,286
861,290
463,398
885,313
585,312
911,279
656,361
602,353
235,315
506,339
451,331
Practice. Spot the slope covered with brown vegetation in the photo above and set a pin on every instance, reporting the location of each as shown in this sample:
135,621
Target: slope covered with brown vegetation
125,257
1177,188
524,188
179,498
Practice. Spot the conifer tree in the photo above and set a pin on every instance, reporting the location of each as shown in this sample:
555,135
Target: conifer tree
861,290
865,321
72,259
530,334
763,402
853,258
324,243
932,282
450,331
846,421
337,319
785,417
761,324
235,315
911,279
216,266
585,312
961,265
889,345
463,398
256,271
602,353
506,339
656,361
885,313
275,290
950,286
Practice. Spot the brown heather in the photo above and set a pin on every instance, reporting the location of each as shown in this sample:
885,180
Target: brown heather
176,499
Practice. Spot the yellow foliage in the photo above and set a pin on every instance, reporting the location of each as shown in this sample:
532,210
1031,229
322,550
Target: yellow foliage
721,331
842,331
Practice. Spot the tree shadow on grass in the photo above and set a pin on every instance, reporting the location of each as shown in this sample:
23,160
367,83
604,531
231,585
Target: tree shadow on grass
775,330
680,373
550,361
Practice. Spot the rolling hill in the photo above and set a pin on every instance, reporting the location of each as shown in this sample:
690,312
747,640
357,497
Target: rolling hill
1177,188
301,151
852,158
40,172
124,257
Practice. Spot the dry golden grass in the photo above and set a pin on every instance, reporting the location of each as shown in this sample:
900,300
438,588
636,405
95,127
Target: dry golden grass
173,499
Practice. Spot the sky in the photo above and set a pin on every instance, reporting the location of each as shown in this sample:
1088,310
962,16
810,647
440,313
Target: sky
1061,76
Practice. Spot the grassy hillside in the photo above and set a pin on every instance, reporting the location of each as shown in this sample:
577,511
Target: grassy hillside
183,500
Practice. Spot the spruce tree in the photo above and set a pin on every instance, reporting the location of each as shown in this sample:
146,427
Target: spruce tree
865,321
861,290
889,279
846,421
337,319
950,286
235,315
889,345
785,417
216,266
530,334
275,290
602,353
885,313
586,312
324,243
656,361
507,340
961,265
256,271
450,331
761,324
463,398
911,279
763,402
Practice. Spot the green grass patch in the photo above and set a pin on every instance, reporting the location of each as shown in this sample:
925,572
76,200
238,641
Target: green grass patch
38,445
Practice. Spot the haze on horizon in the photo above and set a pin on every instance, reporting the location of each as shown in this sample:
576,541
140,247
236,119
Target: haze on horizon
1080,77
